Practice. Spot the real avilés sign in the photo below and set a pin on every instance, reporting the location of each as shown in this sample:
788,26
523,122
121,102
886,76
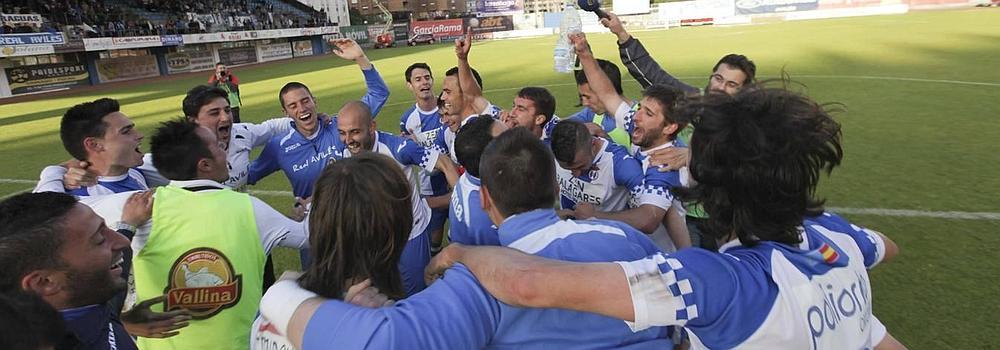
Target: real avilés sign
43,38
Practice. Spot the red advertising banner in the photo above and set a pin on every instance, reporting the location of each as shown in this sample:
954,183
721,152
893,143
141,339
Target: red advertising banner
446,28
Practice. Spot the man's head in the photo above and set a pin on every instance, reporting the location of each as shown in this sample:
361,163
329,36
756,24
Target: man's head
757,158
731,74
420,81
220,68
533,107
518,175
59,249
100,134
182,150
300,105
361,219
209,107
573,146
472,139
587,96
655,123
451,91
356,127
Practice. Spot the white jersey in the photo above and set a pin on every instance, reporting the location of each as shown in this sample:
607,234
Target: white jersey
265,336
614,183
815,295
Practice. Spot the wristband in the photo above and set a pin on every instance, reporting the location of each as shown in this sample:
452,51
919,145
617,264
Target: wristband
279,303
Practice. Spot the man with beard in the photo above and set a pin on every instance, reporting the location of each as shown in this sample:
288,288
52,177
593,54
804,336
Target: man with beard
534,108
421,123
59,249
651,128
358,133
303,151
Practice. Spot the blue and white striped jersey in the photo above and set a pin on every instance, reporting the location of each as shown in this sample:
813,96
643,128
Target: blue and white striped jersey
614,183
815,295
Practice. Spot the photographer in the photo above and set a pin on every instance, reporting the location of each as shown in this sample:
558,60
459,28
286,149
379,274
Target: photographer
224,79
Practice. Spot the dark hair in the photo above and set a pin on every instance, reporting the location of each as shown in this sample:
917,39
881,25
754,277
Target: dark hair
742,63
28,322
219,63
475,74
289,87
757,158
518,172
177,149
471,140
421,65
610,69
360,222
82,121
31,234
200,96
568,138
668,97
545,103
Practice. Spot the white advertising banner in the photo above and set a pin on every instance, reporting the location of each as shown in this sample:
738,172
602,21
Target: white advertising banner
274,52
126,42
192,61
257,34
302,48
127,68
26,50
630,7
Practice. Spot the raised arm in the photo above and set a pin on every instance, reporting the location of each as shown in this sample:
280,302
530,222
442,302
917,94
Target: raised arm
599,81
378,91
640,65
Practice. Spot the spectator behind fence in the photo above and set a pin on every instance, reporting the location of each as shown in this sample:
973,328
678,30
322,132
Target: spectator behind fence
225,80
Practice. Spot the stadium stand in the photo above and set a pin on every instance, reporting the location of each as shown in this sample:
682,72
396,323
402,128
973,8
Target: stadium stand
109,18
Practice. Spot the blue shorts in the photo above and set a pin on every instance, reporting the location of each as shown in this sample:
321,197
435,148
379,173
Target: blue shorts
438,217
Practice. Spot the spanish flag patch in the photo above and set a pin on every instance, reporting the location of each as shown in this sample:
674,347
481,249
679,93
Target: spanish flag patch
829,254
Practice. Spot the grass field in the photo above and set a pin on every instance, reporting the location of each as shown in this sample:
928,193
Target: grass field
922,92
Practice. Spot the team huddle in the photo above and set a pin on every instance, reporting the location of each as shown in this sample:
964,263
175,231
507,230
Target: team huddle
681,218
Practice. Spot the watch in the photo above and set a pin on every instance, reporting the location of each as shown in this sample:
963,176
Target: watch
121,225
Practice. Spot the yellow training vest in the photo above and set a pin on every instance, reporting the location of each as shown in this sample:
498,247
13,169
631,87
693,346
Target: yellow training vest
204,253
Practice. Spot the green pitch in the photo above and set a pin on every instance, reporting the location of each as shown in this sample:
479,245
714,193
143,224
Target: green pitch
922,92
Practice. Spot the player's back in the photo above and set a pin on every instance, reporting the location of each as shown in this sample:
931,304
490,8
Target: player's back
812,296
541,233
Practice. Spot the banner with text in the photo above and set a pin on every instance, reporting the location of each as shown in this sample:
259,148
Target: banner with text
238,56
500,7
274,52
32,39
26,50
25,79
127,68
302,48
750,7
171,40
401,31
482,28
191,61
358,33
15,19
441,29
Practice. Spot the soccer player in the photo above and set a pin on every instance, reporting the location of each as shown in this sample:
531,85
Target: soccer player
519,187
55,247
354,240
302,152
594,111
205,244
652,126
105,142
359,134
422,123
534,108
788,275
470,224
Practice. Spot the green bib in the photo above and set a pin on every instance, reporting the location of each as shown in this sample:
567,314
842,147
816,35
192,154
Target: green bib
693,210
618,135
204,253
234,98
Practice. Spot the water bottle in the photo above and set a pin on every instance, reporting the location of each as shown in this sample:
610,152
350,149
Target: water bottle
564,56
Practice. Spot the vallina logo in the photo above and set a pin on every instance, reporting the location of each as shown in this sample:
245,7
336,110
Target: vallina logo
202,281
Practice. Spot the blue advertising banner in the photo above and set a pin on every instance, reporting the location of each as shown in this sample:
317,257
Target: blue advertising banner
172,40
32,39
750,7
499,7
